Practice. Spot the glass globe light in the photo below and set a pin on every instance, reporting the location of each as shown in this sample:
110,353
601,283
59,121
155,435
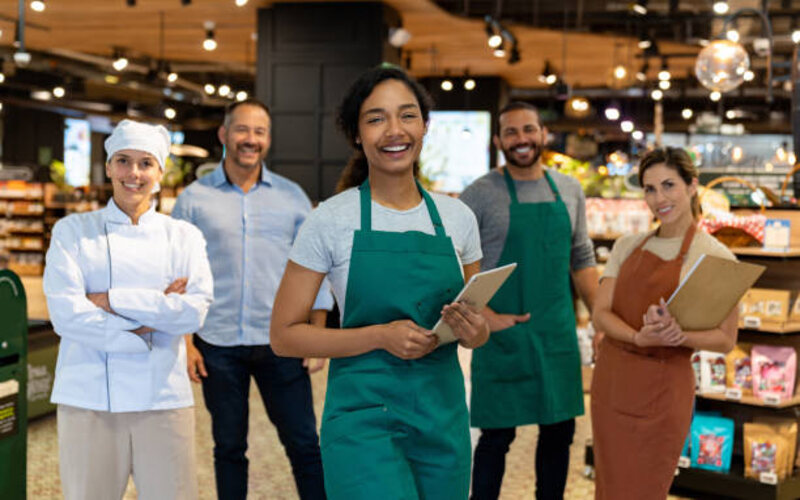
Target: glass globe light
721,66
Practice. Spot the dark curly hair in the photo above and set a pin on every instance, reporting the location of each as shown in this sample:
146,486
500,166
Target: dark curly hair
357,169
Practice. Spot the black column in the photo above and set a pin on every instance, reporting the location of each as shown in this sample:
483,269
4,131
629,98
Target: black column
308,55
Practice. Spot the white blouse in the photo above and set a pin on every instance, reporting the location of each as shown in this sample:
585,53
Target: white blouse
102,365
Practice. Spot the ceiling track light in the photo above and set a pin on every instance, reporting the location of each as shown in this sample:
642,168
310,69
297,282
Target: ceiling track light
120,62
548,76
38,5
721,7
447,85
241,3
640,7
664,74
645,42
210,43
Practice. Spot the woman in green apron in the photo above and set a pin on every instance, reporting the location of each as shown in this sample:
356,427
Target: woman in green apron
395,424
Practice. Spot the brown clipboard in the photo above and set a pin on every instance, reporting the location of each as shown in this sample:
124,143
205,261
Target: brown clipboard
710,290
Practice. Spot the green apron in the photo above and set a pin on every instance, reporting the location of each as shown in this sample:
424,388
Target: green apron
530,373
397,429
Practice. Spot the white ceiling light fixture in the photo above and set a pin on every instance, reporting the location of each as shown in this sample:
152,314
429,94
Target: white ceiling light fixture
687,113
241,3
626,126
469,84
499,53
120,63
224,90
38,5
657,94
721,66
612,113
209,88
640,7
398,37
664,84
210,42
715,96
620,72
637,135
721,7
749,76
59,92
170,113
2,77
796,36
732,35
447,85
241,96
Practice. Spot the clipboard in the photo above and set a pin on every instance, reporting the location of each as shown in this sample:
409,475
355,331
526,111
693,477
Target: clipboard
478,291
710,290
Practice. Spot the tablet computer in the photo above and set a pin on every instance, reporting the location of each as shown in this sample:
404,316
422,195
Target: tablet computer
478,291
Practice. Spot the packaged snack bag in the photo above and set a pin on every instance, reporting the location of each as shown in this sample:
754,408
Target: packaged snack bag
696,368
765,450
786,428
774,371
712,442
739,369
712,372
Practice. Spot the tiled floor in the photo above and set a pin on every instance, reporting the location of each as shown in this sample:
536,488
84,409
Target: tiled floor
270,476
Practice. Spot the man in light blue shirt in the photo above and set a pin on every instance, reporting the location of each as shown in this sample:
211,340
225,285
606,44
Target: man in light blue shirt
249,217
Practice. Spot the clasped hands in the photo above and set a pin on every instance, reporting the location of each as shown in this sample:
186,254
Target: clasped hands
407,340
660,328
101,300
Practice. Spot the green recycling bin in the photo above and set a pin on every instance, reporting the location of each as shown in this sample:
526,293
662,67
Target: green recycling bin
13,387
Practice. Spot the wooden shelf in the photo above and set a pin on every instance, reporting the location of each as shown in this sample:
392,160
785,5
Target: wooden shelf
750,400
787,328
760,252
732,484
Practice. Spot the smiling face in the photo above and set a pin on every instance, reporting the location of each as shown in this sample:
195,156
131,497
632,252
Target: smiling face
667,194
521,137
133,175
391,128
246,136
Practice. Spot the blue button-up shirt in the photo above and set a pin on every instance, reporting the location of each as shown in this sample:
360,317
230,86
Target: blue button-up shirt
248,236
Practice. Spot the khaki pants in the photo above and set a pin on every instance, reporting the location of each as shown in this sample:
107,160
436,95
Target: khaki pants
99,450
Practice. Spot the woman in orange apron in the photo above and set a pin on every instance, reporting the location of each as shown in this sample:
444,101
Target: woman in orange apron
643,385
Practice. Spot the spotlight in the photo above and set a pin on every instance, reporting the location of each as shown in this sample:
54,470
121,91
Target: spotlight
715,96
730,114
626,126
38,5
551,79
732,35
120,63
620,72
210,89
640,7
2,77
224,90
721,7
637,135
749,75
657,94
796,36
687,113
495,41
447,85
170,113
499,53
469,84
241,95
664,74
547,76
241,3
645,42
664,84
209,43
612,113
172,77
59,92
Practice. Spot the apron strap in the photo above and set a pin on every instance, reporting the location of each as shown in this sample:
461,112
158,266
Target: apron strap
687,241
552,186
366,208
512,190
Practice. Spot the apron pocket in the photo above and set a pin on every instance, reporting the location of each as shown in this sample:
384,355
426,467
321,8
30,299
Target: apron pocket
636,382
357,425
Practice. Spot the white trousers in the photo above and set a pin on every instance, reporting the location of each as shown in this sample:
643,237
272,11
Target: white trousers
99,450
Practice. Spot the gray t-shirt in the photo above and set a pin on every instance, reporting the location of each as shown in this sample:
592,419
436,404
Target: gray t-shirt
488,197
325,239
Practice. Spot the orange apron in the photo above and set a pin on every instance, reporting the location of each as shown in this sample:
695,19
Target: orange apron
641,397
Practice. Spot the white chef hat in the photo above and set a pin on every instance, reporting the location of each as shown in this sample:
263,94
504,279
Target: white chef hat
128,134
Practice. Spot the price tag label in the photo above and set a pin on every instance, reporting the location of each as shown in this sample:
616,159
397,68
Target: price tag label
733,393
772,400
752,322
768,478
684,462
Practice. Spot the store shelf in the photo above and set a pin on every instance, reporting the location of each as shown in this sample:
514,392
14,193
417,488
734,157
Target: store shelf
733,485
787,328
750,400
760,252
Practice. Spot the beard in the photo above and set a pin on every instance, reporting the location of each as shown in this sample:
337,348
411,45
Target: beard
509,155
247,164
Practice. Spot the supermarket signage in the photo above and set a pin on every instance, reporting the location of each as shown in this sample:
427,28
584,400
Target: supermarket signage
752,322
776,235
9,420
768,478
772,399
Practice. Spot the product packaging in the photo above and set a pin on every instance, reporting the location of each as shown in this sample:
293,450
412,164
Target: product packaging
786,428
739,369
774,371
712,372
766,450
712,442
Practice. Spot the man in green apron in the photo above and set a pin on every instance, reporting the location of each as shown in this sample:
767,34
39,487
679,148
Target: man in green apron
529,371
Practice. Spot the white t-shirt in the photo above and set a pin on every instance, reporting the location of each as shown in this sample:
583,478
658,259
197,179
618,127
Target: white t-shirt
325,240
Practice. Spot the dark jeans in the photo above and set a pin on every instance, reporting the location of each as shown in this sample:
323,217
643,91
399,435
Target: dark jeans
552,461
286,391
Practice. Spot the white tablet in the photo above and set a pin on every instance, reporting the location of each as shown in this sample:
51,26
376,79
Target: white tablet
478,291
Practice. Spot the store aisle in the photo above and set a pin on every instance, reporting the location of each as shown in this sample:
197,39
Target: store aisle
270,476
